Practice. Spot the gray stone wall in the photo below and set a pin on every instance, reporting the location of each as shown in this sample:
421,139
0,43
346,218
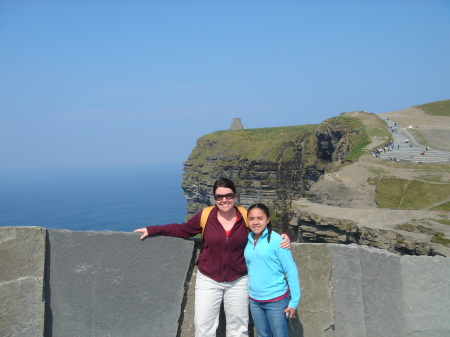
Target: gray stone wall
112,284
22,258
64,283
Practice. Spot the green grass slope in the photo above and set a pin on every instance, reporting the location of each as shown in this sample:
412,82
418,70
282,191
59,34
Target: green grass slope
439,108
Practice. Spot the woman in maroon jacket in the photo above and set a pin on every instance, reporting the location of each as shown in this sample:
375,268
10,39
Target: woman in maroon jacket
222,272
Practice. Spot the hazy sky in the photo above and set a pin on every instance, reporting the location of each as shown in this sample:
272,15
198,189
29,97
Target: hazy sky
123,83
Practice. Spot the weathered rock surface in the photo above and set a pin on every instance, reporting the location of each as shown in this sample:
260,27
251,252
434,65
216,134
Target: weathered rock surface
373,227
112,284
22,306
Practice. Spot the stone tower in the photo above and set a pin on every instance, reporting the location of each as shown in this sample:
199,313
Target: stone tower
236,124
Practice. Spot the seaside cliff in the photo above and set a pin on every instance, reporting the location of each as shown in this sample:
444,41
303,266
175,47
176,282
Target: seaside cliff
295,169
270,165
321,187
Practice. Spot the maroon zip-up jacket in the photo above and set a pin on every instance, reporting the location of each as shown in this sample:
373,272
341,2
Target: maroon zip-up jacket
222,257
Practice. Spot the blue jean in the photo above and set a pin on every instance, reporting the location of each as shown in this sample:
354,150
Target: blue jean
269,318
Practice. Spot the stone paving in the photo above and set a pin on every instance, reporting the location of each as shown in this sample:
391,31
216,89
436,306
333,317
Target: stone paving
407,149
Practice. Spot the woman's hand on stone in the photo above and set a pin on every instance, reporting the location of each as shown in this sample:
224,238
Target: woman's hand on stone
144,232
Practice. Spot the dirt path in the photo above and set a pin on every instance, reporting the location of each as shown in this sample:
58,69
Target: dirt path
382,218
434,130
417,117
348,193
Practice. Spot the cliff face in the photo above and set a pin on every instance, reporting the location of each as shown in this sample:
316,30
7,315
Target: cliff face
271,165
315,228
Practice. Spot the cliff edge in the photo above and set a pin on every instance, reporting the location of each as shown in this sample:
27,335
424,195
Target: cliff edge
325,183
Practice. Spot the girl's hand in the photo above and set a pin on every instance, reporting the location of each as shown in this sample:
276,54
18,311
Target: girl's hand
289,312
144,232
286,243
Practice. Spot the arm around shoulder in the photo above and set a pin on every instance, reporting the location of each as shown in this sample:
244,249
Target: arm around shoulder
286,243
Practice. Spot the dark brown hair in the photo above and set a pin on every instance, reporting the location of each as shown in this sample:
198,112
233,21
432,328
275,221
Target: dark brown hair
224,182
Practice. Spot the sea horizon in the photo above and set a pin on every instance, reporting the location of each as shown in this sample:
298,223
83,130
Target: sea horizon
97,199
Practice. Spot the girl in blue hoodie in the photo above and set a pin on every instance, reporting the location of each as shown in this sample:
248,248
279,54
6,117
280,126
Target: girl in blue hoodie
273,284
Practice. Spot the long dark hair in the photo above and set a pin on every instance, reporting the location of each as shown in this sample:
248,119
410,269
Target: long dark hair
265,209
224,182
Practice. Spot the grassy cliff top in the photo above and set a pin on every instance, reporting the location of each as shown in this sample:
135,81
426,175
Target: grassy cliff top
439,108
277,144
253,144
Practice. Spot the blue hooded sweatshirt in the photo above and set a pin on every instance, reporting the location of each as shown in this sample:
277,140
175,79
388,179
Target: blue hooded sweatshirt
270,269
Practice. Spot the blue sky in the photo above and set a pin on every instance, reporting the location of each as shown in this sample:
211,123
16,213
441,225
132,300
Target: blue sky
129,83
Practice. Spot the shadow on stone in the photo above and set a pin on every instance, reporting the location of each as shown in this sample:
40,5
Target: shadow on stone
296,327
48,318
184,306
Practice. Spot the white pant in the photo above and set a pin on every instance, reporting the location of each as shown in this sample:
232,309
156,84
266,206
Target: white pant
208,298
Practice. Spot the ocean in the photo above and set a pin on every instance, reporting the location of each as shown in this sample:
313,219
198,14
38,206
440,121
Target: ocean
114,199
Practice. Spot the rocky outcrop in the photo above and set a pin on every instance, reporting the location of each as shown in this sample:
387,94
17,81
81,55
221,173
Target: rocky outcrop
311,227
273,165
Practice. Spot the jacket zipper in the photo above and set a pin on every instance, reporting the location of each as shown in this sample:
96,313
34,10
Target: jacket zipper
226,257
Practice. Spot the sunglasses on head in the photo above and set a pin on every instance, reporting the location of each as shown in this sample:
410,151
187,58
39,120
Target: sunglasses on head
227,196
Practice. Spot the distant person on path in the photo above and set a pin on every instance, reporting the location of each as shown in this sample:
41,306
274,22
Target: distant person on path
273,284
222,271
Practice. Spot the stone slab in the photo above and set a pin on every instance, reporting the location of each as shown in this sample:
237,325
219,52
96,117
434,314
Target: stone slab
114,284
22,256
426,294
382,293
315,311
346,286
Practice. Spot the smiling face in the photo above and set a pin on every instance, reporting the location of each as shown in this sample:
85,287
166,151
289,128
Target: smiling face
258,221
225,198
